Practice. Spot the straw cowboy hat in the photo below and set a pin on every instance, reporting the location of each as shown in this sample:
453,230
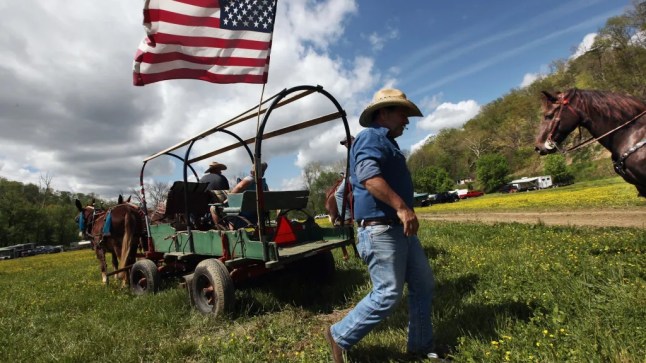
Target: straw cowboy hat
384,98
215,166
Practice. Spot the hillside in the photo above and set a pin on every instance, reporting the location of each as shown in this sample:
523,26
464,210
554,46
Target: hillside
508,126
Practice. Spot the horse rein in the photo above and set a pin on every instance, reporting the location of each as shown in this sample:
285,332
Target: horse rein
564,102
90,224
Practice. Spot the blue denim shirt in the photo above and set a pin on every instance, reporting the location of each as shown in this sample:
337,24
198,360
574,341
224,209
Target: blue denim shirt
374,153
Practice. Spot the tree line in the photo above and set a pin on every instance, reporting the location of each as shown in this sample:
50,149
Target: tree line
36,213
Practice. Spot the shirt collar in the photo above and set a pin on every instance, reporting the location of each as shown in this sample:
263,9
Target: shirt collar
382,130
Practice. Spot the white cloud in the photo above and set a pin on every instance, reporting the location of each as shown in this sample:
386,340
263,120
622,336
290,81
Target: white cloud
418,145
639,38
584,46
528,79
70,110
449,115
430,103
378,40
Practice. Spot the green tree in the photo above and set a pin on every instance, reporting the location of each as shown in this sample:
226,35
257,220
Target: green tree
556,167
432,180
320,184
492,171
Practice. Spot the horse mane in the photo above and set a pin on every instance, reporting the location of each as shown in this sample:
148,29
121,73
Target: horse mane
609,105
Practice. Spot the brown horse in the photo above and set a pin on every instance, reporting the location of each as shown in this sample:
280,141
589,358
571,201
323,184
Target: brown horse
331,203
618,122
120,236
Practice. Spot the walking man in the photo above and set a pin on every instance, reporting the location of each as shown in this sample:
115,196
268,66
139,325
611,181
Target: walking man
387,230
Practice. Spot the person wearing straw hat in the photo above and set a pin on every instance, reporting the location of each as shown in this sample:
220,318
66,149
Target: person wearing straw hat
218,185
214,177
387,230
249,181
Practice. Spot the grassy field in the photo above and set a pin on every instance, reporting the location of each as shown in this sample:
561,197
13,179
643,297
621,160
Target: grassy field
605,193
504,293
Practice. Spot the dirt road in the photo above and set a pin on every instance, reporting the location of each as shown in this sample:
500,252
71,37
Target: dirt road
599,218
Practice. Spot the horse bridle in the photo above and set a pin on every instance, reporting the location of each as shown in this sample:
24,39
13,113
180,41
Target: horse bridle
89,224
563,102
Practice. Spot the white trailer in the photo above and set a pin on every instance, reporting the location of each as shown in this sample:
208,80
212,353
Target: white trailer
536,182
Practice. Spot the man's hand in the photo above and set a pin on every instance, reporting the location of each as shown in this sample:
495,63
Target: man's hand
409,219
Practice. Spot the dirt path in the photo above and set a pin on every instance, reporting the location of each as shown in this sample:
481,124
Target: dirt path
598,218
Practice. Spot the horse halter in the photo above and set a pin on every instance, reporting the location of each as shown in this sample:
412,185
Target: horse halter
88,224
562,102
554,123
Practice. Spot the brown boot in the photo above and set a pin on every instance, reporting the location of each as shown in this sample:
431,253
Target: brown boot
337,352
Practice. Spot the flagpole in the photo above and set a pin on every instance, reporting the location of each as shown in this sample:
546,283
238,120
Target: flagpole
257,166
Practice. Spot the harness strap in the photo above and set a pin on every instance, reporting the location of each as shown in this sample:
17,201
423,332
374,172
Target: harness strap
107,225
619,165
82,222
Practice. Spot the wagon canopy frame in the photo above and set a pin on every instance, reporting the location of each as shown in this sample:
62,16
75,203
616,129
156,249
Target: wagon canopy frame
265,108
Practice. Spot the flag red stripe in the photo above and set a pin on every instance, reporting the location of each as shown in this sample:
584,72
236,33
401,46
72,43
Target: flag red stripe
201,3
152,58
162,38
204,75
181,19
185,40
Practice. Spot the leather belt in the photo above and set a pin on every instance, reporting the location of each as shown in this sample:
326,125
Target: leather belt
379,222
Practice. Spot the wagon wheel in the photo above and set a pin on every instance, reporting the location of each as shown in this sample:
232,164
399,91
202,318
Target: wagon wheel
212,288
144,277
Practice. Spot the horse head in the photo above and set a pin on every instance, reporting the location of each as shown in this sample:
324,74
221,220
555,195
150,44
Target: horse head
560,118
85,218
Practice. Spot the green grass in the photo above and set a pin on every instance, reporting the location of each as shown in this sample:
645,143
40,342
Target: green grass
505,292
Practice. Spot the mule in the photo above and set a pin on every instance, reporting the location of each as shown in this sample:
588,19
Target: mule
616,121
118,230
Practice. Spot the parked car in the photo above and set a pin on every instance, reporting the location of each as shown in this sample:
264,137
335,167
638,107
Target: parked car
420,199
445,197
508,188
472,194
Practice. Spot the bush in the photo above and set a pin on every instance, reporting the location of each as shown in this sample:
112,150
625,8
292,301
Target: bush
492,170
432,180
556,167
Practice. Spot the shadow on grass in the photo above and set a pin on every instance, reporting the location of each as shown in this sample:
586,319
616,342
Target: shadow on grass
270,293
456,318
479,321
453,318
433,252
378,354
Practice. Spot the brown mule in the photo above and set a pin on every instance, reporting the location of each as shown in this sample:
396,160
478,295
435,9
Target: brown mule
121,237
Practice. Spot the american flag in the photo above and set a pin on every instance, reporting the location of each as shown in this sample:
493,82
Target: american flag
219,41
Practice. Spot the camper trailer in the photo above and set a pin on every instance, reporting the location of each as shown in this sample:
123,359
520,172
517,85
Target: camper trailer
532,183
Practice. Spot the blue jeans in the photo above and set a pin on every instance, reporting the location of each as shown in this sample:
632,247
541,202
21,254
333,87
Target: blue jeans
392,259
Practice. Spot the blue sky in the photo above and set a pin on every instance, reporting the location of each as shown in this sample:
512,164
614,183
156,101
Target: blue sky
70,111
